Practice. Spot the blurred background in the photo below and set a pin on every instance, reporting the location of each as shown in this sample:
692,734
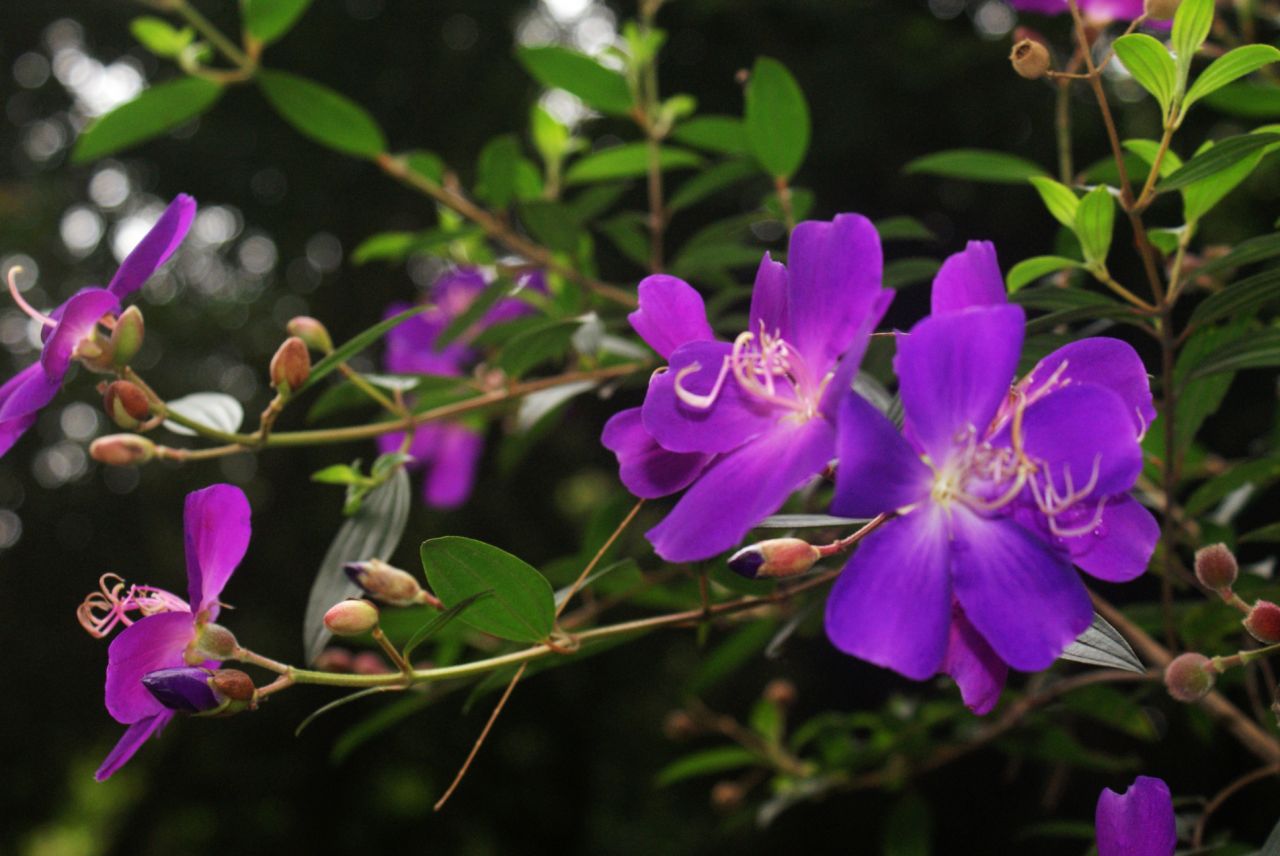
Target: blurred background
570,766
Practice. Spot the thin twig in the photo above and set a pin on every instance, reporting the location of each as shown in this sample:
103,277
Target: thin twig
493,717
595,560
1197,840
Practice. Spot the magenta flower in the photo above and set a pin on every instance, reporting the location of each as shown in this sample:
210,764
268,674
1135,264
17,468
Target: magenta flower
996,492
71,329
1101,10
1138,822
164,637
448,453
742,424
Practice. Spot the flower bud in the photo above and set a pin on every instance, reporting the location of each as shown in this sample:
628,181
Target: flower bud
777,557
369,663
233,684
334,660
1030,59
679,725
185,689
384,583
780,692
1162,10
1263,622
122,450
312,332
126,337
351,617
126,404
1216,567
1189,677
726,796
95,353
291,366
215,642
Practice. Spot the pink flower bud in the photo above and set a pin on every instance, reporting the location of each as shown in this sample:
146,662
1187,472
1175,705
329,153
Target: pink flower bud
351,617
1263,622
334,660
1190,677
312,332
384,583
1216,567
122,450
369,663
126,404
777,557
127,336
291,366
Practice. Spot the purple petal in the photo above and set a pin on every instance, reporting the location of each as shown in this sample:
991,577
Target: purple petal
1120,548
1104,362
878,471
671,314
841,383
130,742
955,370
451,471
411,345
742,488
732,419
973,665
155,247
184,689
1023,597
76,322
769,309
152,643
216,522
21,398
835,271
1139,822
648,470
892,604
968,279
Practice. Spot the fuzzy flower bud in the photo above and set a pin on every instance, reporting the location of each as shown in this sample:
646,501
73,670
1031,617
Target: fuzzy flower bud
679,725
186,689
727,796
334,660
369,663
351,617
1216,567
127,336
1263,622
291,366
233,684
215,642
122,450
312,332
1030,59
777,557
384,583
1162,10
780,692
126,404
1190,677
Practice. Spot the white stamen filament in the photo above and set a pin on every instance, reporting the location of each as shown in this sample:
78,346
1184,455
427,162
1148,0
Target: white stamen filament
26,307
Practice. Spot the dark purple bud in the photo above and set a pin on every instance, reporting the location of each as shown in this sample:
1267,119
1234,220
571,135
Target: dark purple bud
185,689
777,557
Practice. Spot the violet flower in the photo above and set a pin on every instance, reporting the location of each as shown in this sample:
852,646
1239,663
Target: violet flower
1099,10
448,453
742,424
1138,822
997,491
166,635
71,330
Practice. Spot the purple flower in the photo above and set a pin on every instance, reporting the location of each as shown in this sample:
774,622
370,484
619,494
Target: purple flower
447,452
217,535
184,689
742,424
1102,10
996,491
71,330
1138,822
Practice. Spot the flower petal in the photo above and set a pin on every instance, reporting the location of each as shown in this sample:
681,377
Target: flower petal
892,603
1120,548
769,309
977,670
130,742
742,488
878,471
671,314
451,472
648,470
217,528
1139,822
841,383
1022,596
155,247
967,279
76,321
1102,361
21,398
955,370
152,643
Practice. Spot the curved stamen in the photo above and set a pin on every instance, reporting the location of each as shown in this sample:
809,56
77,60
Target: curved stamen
693,399
29,310
102,610
1085,528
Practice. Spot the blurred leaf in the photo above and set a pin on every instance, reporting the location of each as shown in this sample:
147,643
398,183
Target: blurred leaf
705,763
269,20
1200,398
522,606
338,474
439,622
723,134
1248,100
628,160
1148,149
903,229
908,831
1257,473
325,116
1068,304
215,409
742,645
806,521
528,350
1113,708
496,171
802,200
691,261
425,163
1269,534
1246,252
159,36
766,720
550,137
627,232
552,223
1061,200
559,68
1271,847
477,309
1238,298
1095,221
710,181
1255,351
356,344
156,110
337,703
397,246
976,165
1227,68
1191,25
1029,270
379,721
1102,645
903,272
1057,746
1221,156
1149,62
777,118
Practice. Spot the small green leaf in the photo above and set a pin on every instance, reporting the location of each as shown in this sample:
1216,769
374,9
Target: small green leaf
1220,156
269,20
1151,66
903,229
522,605
550,137
1095,220
159,36
1199,197
777,118
530,349
723,134
1191,25
900,273
1029,270
1258,473
325,116
1248,100
496,171
559,68
337,703
426,164
976,165
435,625
156,110
338,474
1061,200
627,161
1229,67
1148,150
711,181
705,763
356,344
552,223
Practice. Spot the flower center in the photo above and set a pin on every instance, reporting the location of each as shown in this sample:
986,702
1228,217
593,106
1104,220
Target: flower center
26,307
102,610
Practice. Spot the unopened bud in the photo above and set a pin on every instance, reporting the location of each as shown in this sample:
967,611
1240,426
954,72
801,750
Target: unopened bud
781,692
1162,10
1216,567
777,557
351,617
334,660
233,684
1263,622
126,404
291,366
384,583
215,642
127,336
95,353
186,689
369,663
726,796
1030,59
312,332
1190,676
679,725
122,450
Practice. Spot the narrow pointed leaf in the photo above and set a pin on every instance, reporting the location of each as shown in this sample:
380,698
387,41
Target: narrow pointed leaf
629,160
1239,297
1061,200
155,111
1229,67
356,344
1214,160
1191,25
976,165
435,625
325,116
1029,270
1151,66
724,134
337,703
1095,221
1255,351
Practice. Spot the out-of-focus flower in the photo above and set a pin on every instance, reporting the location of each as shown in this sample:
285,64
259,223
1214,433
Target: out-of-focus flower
1102,10
1138,822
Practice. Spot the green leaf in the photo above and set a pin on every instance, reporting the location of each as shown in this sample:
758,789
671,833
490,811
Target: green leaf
356,344
711,181
705,763
528,350
710,257
552,223
1149,149
1269,534
1259,474
438,623
1240,297
1061,200
1199,197
1095,221
903,229
426,164
723,134
269,20
629,160
1221,156
1199,398
1229,67
496,171
325,116
777,118
338,474
396,246
1255,351
159,36
467,319
627,232
1247,252
904,272
1066,305
522,606
550,137
1112,708
1191,25
1150,64
156,110
337,703
1248,100
1029,270
740,647
976,165
559,68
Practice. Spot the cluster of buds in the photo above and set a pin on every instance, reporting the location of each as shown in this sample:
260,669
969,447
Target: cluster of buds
202,692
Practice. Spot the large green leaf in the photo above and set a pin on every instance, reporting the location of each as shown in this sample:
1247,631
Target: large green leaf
976,165
1029,270
156,110
1223,155
1199,197
269,20
356,344
629,160
1151,66
522,606
1149,150
1229,67
1247,99
1254,351
723,134
1247,252
529,349
325,116
1191,25
560,68
777,118
1061,200
1239,297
